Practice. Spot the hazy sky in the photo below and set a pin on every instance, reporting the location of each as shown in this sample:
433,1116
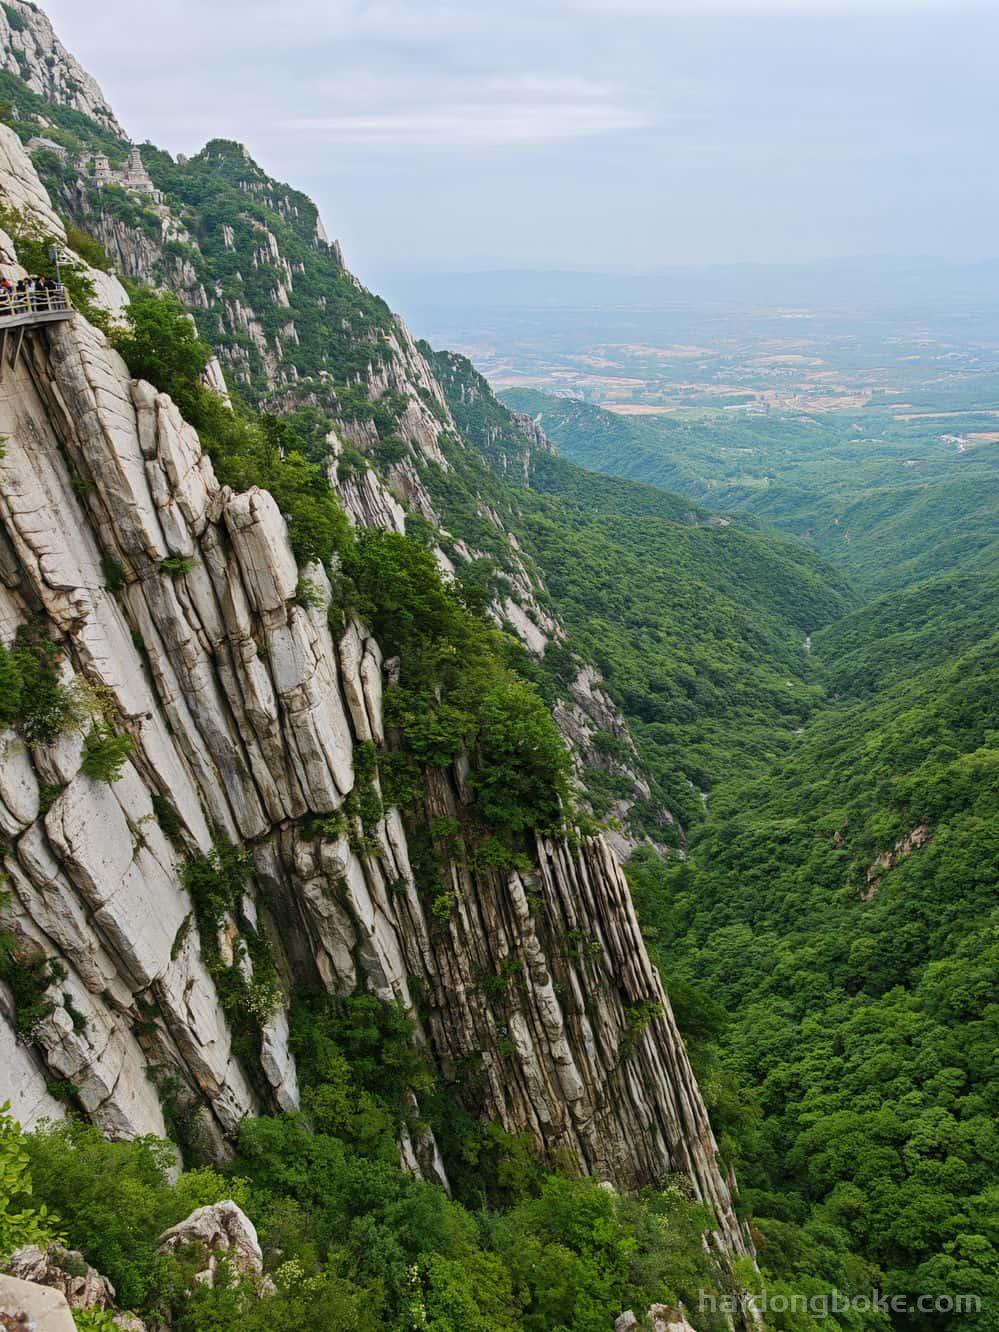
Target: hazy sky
590,133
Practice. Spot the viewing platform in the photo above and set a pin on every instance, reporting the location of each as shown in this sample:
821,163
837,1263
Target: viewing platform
21,310
42,306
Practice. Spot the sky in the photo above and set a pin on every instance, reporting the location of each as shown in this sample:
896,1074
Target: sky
596,134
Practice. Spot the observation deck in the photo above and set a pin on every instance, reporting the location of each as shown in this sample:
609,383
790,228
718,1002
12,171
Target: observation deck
21,310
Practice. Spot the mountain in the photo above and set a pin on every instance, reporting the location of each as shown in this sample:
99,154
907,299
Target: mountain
335,698
37,65
291,840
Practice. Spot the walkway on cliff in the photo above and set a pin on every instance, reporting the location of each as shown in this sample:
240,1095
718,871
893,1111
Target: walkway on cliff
20,310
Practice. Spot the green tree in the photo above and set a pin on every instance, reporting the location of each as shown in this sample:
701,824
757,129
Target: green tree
521,781
160,342
22,1221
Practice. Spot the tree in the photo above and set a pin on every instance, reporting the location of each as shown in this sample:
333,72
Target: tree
522,779
161,343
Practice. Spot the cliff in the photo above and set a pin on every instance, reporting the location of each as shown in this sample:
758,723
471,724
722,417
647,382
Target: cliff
295,331
171,608
32,52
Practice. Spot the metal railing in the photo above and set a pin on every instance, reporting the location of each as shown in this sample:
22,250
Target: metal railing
34,300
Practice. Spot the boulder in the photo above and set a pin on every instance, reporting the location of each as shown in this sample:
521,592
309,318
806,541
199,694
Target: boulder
26,1307
659,1318
662,1318
222,1230
64,1270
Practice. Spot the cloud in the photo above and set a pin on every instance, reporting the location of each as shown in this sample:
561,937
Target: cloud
464,125
674,9
676,128
437,111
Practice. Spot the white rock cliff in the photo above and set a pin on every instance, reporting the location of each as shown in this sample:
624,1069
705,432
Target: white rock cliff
246,711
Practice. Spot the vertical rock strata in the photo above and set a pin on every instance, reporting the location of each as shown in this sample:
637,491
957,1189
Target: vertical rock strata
246,711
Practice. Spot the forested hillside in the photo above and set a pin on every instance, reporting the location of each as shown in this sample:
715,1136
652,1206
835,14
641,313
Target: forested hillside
842,911
450,1093
698,624
888,499
831,936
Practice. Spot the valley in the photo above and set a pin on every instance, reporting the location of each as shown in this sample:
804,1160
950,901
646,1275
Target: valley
500,828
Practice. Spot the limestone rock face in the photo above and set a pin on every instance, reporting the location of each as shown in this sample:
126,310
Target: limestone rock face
659,1318
246,710
21,189
66,1273
533,432
222,1230
368,502
27,1307
63,1270
23,1081
30,50
664,1319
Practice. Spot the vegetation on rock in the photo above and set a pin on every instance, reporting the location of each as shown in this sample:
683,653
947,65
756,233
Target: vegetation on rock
829,938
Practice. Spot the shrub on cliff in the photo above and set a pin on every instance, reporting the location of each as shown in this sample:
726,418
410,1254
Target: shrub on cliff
105,753
458,689
20,1221
522,778
160,343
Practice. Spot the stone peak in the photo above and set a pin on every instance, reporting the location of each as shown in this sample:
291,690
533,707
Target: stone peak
31,51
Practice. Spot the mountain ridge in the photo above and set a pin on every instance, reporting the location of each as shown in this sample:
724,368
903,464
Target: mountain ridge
320,617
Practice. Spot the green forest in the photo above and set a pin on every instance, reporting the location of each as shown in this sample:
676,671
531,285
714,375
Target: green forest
829,938
885,499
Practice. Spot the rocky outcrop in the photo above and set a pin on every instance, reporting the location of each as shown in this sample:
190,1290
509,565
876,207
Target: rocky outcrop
886,860
64,1270
27,1307
74,1283
659,1318
176,608
587,716
30,50
221,1232
24,1082
532,431
367,500
20,189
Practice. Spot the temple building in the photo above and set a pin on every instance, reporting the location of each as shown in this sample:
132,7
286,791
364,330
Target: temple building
133,176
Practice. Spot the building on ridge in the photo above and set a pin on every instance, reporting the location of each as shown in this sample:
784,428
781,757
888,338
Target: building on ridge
133,176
